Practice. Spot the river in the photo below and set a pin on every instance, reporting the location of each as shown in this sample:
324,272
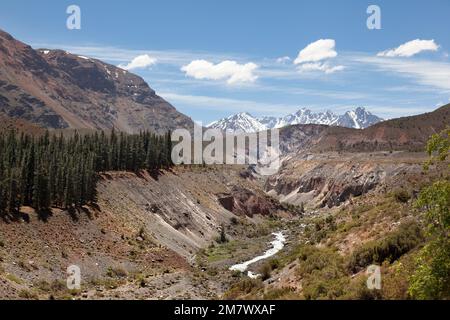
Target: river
277,246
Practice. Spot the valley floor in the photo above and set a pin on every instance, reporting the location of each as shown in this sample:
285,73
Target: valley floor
140,241
158,236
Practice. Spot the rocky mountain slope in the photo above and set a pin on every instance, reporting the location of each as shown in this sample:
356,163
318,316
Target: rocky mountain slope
331,179
359,118
326,166
56,89
19,125
408,133
138,242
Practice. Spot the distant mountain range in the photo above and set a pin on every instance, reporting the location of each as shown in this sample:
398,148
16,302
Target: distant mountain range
359,118
406,133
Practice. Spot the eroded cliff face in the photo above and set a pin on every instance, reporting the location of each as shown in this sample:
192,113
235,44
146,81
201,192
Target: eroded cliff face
245,202
328,180
139,241
183,210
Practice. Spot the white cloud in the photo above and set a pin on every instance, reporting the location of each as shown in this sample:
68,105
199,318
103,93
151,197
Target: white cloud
311,58
284,59
228,70
140,62
317,66
320,50
428,73
410,48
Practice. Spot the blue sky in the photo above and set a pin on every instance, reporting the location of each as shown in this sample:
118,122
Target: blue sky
211,59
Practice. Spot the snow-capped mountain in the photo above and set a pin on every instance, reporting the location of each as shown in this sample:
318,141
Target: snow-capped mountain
306,116
241,122
359,118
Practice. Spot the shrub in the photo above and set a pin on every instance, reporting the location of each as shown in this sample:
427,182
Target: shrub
234,221
13,278
266,271
236,274
359,291
401,195
431,279
322,272
274,264
312,258
243,287
54,287
260,230
116,272
280,294
390,248
28,295
223,236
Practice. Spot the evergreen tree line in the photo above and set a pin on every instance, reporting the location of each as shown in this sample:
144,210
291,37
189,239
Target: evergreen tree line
57,171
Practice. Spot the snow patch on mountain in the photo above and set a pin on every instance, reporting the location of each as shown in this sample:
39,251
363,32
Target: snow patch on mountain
241,122
359,118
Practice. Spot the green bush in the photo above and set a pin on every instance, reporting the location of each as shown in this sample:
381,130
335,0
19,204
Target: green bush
28,295
244,287
118,272
322,272
389,248
223,236
274,264
401,195
266,271
280,294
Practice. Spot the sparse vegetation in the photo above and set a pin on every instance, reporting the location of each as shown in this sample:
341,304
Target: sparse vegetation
116,272
234,221
223,236
244,287
13,278
265,271
401,195
28,295
389,248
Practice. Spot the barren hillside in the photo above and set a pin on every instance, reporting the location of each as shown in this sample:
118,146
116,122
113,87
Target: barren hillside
56,89
139,242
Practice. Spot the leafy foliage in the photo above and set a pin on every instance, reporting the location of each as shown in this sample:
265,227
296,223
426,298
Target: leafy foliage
323,273
389,248
431,279
438,147
401,195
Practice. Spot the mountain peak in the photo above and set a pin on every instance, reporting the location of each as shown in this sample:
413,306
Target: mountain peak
244,114
359,118
241,122
57,89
